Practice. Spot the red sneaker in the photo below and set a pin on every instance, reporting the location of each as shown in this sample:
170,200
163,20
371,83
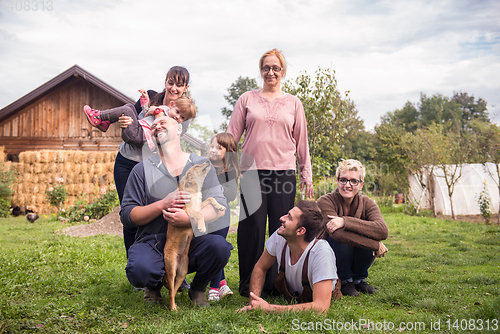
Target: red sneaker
94,118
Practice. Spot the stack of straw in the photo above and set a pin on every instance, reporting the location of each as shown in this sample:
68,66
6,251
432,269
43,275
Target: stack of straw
84,174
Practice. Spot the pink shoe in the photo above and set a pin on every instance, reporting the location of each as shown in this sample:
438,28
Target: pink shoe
94,118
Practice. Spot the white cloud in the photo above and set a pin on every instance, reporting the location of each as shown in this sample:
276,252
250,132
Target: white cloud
384,52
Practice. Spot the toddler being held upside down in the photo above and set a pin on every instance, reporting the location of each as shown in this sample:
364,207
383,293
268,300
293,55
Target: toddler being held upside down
139,130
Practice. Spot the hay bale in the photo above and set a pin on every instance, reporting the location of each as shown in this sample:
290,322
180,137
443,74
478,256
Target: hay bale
27,177
72,178
92,158
109,157
110,178
99,157
23,157
77,168
79,157
69,156
89,188
52,167
72,190
84,168
109,167
100,169
37,168
44,167
44,156
60,156
80,188
87,178
39,199
16,200
68,167
20,168
35,178
38,157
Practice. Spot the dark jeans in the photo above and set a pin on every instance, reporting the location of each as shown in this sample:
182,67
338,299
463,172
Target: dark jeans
352,262
277,189
208,254
123,167
214,282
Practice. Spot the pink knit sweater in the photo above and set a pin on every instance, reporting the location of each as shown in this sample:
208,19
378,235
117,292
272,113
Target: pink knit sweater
274,133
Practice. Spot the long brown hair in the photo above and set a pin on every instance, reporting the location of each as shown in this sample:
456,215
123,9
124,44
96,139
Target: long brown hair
230,159
180,75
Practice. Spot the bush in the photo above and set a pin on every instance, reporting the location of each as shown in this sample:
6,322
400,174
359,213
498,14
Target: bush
56,194
7,179
98,208
484,201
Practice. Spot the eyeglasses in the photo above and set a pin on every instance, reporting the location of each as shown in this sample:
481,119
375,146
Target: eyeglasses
343,181
275,69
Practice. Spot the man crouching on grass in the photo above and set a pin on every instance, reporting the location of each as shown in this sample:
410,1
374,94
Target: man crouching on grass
307,270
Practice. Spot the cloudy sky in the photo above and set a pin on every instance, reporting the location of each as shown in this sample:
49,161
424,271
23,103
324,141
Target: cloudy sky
384,52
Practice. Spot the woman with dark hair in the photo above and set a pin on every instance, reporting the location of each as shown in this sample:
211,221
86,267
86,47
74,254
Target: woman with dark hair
129,154
275,130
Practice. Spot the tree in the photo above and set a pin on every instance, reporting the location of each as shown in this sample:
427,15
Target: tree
407,117
240,86
391,153
325,111
488,149
422,158
471,109
453,114
454,151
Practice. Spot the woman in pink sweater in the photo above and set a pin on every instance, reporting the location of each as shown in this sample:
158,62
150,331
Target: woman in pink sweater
275,130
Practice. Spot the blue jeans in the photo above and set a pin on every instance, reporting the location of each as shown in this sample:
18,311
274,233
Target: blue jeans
214,283
208,254
352,262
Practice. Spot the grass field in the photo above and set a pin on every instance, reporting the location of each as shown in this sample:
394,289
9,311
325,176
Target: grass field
437,273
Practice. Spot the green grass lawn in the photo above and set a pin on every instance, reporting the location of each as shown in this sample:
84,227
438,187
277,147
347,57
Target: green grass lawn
437,272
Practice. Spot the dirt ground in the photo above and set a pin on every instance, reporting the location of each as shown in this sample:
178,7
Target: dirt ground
473,218
109,224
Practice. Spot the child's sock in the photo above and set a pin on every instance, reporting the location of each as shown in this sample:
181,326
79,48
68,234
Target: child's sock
222,283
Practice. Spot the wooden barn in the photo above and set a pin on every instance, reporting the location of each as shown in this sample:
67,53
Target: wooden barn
51,116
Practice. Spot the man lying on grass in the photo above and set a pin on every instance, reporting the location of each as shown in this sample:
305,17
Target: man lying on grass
307,269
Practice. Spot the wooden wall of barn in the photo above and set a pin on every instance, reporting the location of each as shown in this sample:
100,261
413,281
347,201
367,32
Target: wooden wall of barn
56,121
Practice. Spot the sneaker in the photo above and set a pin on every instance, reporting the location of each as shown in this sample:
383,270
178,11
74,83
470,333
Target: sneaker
94,118
224,291
363,287
348,289
151,296
213,295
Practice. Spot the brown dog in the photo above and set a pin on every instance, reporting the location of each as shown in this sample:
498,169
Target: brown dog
179,238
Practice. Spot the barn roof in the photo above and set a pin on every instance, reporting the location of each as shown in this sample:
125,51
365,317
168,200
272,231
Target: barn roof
75,70
57,81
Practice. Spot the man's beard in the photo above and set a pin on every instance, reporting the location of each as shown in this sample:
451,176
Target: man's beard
165,138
